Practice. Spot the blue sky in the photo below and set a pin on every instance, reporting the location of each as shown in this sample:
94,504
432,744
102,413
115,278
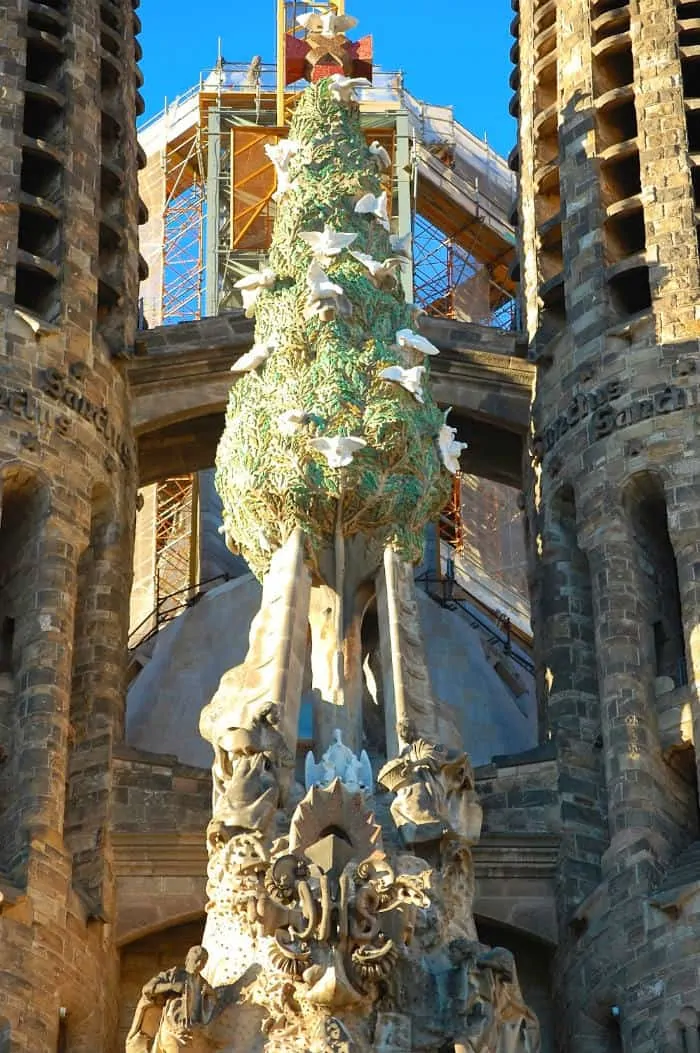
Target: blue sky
453,52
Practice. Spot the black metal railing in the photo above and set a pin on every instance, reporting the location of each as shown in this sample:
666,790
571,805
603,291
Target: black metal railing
168,607
449,593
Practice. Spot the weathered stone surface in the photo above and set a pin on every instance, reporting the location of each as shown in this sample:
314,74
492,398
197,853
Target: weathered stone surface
612,498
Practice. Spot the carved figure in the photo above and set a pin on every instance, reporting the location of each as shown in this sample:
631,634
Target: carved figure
339,762
251,761
489,1005
171,1004
435,795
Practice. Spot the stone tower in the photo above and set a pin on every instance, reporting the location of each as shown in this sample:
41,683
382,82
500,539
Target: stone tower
68,295
608,100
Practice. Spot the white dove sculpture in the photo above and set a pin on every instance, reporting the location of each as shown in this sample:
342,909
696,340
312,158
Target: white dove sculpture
380,155
281,154
407,340
328,24
450,449
410,379
369,205
327,243
401,244
338,450
291,421
251,287
258,354
343,88
325,297
379,270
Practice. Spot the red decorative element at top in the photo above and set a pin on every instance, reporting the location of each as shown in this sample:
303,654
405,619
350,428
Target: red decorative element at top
318,57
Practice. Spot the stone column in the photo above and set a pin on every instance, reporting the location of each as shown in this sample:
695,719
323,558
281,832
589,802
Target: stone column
13,48
97,702
567,656
582,207
407,692
44,645
636,798
667,192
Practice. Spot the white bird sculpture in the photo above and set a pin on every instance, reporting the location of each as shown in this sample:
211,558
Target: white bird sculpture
410,379
379,270
338,450
258,354
325,298
450,449
281,154
407,340
291,421
328,24
380,155
252,285
343,89
401,244
369,205
327,243
284,184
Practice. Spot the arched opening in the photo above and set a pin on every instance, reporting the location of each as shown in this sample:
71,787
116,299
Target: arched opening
658,581
661,638
23,509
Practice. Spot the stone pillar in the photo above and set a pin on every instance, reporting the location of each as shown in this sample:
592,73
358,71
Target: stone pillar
638,791
666,183
405,680
567,657
44,636
581,195
526,145
13,50
97,700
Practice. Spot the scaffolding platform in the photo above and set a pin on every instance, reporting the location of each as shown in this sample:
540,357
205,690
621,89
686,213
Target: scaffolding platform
208,186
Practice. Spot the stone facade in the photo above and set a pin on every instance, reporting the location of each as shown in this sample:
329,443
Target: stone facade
607,134
68,293
591,841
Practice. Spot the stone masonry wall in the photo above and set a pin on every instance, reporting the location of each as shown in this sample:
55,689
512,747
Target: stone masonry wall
68,281
615,448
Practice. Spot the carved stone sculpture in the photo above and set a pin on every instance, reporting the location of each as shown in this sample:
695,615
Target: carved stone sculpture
435,795
172,1004
251,763
339,762
327,933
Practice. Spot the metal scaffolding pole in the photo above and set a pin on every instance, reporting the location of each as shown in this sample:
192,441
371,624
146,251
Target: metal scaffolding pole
213,192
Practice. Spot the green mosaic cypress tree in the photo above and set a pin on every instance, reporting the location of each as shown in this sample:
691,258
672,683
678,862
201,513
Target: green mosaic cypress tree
331,319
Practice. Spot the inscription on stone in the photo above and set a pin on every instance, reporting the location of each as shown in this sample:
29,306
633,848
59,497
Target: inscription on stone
57,386
597,407
580,408
26,406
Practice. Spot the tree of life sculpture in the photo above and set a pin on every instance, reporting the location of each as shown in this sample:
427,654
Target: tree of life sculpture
325,930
